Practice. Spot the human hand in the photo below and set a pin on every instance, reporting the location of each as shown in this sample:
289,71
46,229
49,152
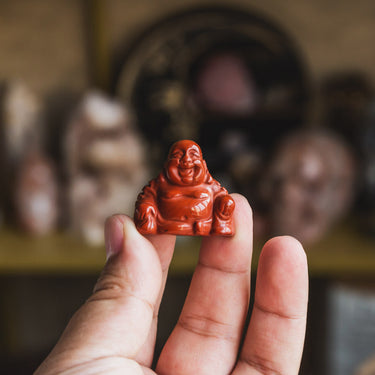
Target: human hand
114,331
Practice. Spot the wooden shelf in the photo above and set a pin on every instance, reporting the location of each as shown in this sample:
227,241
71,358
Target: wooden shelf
343,253
57,253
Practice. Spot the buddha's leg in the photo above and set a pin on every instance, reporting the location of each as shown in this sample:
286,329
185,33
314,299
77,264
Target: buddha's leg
202,227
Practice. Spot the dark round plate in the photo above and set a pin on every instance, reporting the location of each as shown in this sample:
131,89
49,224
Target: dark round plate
158,75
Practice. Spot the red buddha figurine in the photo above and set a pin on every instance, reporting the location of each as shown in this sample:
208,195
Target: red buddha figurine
184,199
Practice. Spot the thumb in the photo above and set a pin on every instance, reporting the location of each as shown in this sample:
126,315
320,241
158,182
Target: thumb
116,319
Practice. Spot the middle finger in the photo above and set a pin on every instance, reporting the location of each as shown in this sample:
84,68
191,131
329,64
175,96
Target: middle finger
207,336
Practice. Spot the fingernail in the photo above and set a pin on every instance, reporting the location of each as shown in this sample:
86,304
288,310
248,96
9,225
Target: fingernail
114,236
130,232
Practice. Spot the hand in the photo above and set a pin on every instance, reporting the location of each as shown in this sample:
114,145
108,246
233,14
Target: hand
114,331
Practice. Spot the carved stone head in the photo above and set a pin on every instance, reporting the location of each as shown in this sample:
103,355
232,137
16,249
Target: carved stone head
309,185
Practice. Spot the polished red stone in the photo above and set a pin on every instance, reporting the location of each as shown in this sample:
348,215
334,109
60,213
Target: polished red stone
184,199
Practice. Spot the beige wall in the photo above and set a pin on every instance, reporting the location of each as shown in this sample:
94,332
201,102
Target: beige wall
42,42
333,34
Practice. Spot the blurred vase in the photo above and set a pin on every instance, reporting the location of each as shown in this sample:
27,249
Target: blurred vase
20,132
21,121
209,71
36,195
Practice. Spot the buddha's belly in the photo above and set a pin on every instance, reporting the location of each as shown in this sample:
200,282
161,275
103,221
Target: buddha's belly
186,208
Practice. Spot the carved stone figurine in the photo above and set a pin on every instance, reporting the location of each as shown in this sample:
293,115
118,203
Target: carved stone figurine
184,199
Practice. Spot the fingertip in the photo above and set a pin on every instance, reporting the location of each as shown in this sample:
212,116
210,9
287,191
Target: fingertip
242,204
130,230
243,218
285,250
275,336
130,254
121,234
114,234
164,245
283,276
160,237
232,252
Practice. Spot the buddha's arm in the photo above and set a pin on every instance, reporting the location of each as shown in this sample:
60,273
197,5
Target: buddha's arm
146,201
223,202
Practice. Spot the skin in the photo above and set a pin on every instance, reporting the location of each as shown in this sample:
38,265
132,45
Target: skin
114,331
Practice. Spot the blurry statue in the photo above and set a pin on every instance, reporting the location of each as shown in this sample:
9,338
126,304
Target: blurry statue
60,103
105,165
36,195
309,185
184,199
21,121
21,134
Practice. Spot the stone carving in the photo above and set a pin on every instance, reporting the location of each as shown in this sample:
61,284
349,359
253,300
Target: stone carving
184,199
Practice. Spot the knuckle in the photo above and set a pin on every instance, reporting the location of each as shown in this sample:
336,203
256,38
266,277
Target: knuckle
207,327
261,364
109,286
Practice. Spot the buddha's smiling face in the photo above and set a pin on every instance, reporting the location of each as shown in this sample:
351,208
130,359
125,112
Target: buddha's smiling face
185,164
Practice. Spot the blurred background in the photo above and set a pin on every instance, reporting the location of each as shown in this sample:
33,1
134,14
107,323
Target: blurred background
279,95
